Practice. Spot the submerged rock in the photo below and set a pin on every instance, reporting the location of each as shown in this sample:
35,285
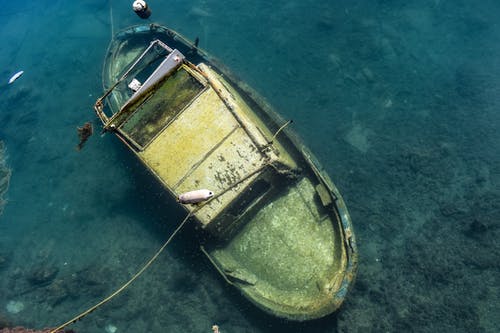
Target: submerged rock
3,260
4,322
110,328
57,292
14,307
476,228
42,275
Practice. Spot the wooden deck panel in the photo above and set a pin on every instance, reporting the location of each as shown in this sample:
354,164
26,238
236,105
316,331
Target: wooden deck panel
204,147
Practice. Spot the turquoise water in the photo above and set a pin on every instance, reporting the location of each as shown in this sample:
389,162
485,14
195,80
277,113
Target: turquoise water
399,101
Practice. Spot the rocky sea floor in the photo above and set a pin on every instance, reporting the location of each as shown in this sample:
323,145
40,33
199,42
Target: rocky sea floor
399,101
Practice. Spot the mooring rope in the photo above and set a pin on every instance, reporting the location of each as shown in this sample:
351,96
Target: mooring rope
155,256
280,129
111,19
132,279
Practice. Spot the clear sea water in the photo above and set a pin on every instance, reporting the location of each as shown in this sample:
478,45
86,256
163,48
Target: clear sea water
399,100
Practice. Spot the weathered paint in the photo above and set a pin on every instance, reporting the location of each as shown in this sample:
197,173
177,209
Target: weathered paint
288,246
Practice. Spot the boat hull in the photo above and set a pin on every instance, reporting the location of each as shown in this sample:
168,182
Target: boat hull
289,246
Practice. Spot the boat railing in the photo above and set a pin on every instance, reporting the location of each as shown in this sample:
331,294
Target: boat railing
133,69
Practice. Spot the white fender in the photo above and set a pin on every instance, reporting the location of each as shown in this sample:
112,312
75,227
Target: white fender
196,196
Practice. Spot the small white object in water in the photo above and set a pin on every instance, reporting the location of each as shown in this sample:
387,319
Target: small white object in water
15,76
110,328
14,307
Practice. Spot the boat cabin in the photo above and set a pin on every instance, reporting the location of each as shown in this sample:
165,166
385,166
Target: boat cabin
192,132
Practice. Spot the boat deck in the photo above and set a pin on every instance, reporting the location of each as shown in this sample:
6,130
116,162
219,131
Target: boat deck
298,260
198,140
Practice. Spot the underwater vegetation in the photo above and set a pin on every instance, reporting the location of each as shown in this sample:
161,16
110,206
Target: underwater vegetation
84,133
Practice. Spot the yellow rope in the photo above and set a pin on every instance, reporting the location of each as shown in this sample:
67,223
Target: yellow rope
146,266
119,290
280,129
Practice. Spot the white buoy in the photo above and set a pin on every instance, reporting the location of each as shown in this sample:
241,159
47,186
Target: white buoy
15,76
142,9
195,196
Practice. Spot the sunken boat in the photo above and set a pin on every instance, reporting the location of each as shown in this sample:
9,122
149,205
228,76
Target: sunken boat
277,227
